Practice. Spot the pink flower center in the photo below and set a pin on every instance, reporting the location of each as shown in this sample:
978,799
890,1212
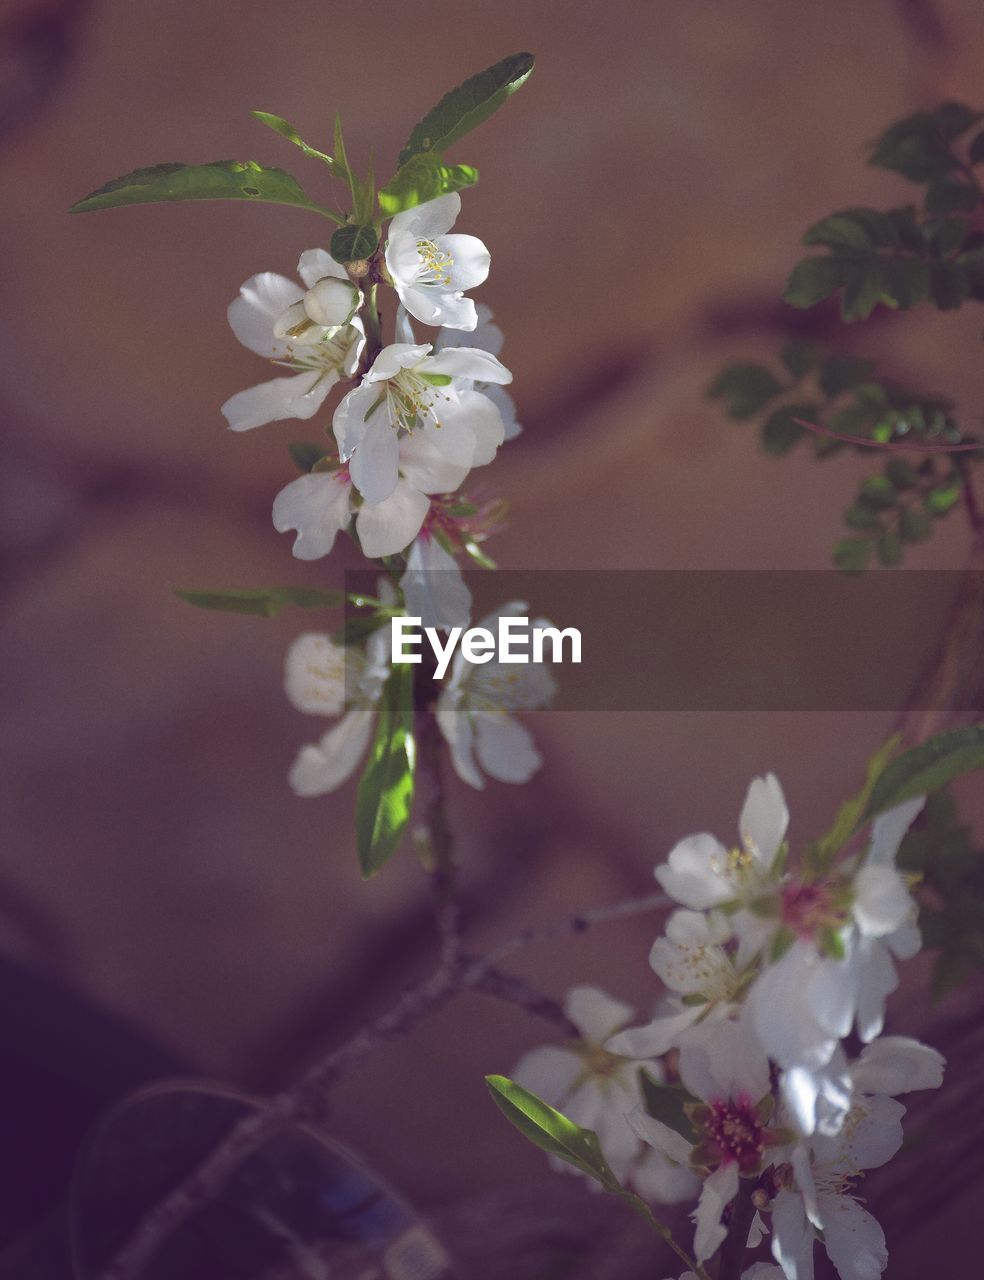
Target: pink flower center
807,908
735,1129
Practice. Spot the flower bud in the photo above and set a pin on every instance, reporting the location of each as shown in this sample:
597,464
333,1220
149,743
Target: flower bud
332,302
358,269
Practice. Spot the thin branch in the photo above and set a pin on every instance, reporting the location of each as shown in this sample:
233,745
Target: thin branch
576,924
888,446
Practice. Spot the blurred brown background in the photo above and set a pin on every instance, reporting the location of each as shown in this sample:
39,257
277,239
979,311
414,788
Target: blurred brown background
643,198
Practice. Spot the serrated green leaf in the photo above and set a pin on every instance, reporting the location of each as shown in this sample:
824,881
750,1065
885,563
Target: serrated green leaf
305,454
842,372
849,814
950,195
354,243
851,554
781,431
745,387
889,547
907,228
551,1130
927,768
262,602
865,285
949,285
385,796
220,180
799,358
466,107
906,281
954,118
914,526
838,231
286,130
941,500
424,177
948,235
813,279
915,148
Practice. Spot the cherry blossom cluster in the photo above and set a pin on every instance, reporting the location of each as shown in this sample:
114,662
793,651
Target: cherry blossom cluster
417,417
767,1046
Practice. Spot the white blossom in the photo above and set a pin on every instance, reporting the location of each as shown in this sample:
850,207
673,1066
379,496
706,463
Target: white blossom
474,706
597,1090
430,269
409,391
266,319
488,337
321,504
324,678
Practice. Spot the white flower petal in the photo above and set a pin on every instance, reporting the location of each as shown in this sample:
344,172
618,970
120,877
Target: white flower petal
897,1064
323,768
456,727
318,506
854,1241
876,980
662,1181
433,587
764,819
425,466
485,422
469,362
429,220
374,466
659,1136
694,873
718,1191
470,261
318,264
882,902
389,526
662,1035
397,356
888,830
786,1027
792,1237
262,299
299,396
505,748
314,674
454,438
595,1013
550,1072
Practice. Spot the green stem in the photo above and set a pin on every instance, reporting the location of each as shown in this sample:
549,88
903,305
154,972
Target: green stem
374,328
664,1232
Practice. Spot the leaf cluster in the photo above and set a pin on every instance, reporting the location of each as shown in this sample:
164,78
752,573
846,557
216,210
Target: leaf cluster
896,505
903,257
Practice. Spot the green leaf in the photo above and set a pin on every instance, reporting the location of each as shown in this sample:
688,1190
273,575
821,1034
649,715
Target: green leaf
849,814
954,118
906,281
799,358
948,235
851,554
949,285
865,285
813,279
977,149
747,388
927,768
901,473
263,602
914,526
907,228
877,492
854,229
781,431
466,107
220,180
950,195
354,243
305,454
424,178
385,796
863,518
841,372
889,549
667,1103
286,130
940,501
916,148
551,1130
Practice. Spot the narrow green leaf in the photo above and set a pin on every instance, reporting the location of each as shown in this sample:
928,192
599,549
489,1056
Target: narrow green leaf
424,178
354,243
551,1130
466,107
927,768
385,795
262,602
849,814
286,130
220,180
813,279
